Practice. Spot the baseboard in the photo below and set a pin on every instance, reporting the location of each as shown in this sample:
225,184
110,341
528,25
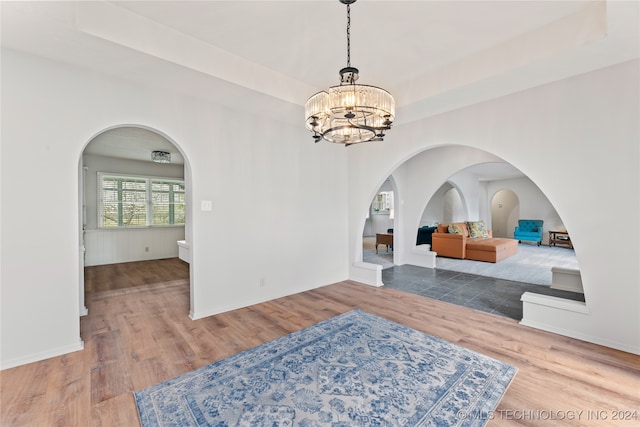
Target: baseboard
580,336
567,288
12,363
212,311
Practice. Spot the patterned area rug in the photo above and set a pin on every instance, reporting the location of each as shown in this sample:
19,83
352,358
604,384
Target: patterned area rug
355,369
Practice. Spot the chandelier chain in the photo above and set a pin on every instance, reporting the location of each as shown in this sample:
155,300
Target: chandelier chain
348,35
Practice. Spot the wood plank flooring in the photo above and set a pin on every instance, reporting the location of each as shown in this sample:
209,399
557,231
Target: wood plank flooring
139,335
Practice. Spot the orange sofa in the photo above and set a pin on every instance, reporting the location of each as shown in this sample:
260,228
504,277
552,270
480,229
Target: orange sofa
488,249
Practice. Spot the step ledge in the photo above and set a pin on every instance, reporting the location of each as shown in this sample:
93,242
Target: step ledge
564,270
555,302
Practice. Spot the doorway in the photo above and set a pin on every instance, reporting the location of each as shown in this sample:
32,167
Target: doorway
134,203
380,221
505,211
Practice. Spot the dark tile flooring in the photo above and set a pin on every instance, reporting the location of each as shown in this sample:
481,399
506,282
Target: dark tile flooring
497,296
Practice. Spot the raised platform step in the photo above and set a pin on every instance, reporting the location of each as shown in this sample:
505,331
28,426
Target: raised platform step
566,279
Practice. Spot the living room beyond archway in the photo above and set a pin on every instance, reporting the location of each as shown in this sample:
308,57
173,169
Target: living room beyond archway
467,196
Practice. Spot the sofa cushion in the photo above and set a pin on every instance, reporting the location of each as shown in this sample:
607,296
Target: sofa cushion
477,229
424,235
455,229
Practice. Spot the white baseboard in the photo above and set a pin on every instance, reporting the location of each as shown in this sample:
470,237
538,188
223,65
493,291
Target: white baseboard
12,363
546,312
580,336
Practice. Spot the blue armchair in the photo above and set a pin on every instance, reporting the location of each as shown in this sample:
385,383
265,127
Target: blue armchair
529,230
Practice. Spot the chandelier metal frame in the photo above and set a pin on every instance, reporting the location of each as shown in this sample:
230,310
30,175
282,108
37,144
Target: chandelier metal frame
350,113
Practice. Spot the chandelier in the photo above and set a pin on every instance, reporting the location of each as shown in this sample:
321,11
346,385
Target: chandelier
161,156
350,113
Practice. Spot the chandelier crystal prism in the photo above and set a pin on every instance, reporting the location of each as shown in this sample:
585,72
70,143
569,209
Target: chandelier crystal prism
350,113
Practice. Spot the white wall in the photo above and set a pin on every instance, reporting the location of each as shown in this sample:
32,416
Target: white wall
591,122
267,180
380,223
505,210
131,244
453,209
433,212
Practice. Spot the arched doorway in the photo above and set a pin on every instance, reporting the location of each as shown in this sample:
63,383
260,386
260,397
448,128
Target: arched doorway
432,195
134,188
505,211
380,220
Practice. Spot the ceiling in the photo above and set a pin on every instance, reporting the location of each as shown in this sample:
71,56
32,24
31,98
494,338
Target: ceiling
132,143
433,56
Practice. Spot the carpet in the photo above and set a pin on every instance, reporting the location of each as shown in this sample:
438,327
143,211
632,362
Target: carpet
355,369
532,264
383,258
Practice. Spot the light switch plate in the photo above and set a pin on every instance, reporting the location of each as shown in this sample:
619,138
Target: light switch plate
206,205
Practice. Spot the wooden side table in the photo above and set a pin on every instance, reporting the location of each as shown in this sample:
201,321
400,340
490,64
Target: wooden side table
560,238
384,239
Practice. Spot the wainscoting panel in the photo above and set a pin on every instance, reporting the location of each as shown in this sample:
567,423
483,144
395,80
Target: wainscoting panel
136,244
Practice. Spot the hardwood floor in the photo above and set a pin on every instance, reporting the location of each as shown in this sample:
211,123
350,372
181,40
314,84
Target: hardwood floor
109,277
139,335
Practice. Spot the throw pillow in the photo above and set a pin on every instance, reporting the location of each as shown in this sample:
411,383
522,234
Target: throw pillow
454,229
477,229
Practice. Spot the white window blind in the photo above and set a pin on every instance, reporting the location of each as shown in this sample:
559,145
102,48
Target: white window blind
167,201
134,201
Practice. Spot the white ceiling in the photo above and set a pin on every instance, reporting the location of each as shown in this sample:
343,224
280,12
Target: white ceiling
433,56
132,143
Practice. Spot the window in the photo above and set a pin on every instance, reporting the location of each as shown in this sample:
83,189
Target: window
167,202
383,202
133,201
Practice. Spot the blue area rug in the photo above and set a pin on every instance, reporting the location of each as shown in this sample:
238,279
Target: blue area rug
355,369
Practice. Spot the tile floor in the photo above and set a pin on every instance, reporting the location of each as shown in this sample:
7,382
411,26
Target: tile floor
488,294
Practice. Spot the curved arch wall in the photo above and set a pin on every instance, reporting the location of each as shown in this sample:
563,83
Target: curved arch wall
591,121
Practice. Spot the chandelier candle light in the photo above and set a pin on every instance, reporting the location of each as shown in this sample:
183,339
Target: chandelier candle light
350,113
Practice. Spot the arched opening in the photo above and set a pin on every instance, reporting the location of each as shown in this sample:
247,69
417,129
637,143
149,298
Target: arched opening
469,191
377,234
134,193
505,211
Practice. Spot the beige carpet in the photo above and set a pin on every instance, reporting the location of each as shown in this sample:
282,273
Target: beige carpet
369,243
532,264
383,258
